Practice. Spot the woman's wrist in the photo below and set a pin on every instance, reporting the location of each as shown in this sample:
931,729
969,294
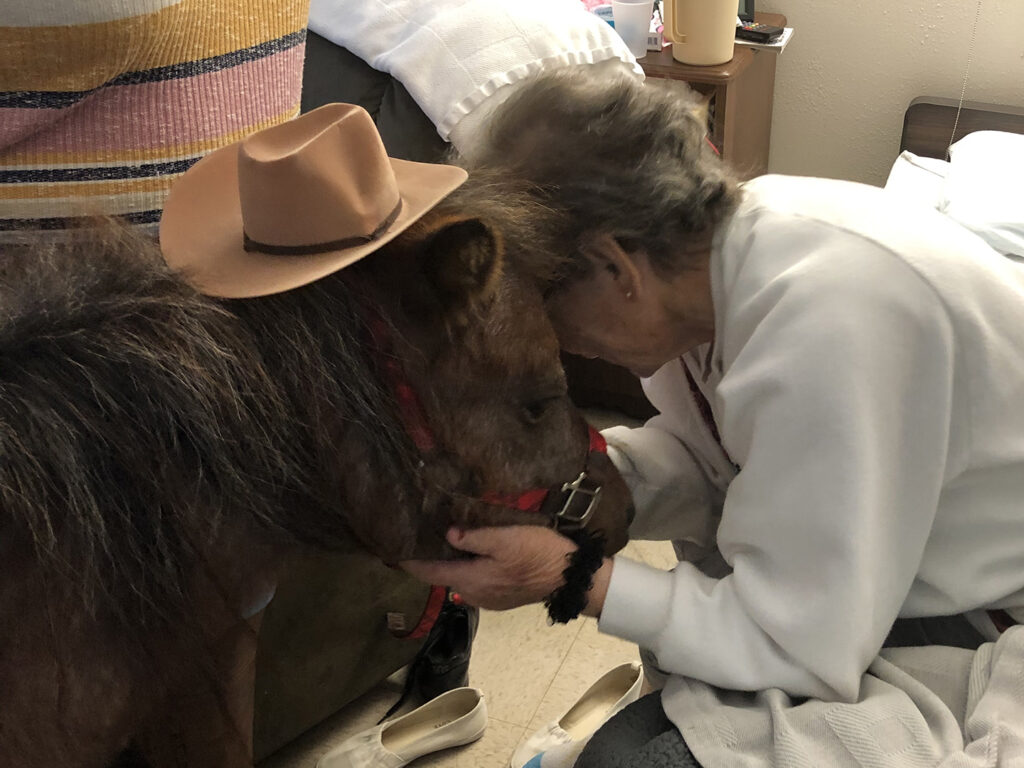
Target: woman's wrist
572,596
598,592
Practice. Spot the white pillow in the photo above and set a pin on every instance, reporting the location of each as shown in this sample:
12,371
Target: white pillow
918,179
984,188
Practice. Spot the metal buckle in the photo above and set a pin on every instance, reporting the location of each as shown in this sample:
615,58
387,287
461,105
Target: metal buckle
593,491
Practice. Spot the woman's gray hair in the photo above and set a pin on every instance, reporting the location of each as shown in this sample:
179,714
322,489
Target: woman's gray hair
609,155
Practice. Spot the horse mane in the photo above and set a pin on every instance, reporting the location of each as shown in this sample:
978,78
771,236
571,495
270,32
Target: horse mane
317,343
134,414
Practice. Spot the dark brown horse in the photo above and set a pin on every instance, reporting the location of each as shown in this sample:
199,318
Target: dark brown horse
160,450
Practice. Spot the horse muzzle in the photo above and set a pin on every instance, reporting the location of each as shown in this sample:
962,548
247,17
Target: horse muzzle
597,501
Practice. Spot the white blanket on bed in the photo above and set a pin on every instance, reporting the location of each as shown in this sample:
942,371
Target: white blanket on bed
984,188
451,55
981,187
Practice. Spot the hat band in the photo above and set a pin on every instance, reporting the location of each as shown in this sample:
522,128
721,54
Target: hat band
333,245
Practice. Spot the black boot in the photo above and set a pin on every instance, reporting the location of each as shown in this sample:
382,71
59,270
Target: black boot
442,662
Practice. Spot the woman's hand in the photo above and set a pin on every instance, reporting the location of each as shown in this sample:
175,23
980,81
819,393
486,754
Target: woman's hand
514,565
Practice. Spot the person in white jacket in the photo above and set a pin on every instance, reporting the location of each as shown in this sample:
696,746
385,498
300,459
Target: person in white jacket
839,455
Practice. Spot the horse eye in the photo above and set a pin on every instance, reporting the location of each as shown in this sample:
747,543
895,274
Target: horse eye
535,410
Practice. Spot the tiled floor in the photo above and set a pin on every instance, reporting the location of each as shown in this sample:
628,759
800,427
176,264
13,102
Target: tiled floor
530,673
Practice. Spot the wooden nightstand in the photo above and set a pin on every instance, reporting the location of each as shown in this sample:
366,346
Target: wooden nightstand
740,95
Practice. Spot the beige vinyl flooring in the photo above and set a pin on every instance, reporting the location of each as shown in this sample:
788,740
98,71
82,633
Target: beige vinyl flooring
530,673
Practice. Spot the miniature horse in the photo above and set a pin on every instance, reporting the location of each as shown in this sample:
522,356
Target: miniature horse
160,451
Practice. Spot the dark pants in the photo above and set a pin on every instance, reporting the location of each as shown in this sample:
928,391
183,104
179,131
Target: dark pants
640,736
936,630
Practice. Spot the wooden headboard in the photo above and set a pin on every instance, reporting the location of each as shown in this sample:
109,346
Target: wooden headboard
928,123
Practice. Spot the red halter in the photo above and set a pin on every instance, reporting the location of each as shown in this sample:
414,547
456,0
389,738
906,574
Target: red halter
562,505
569,506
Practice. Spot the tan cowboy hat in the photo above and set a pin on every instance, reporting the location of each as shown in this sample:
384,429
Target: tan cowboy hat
293,203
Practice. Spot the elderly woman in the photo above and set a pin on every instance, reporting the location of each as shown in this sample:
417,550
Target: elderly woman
839,455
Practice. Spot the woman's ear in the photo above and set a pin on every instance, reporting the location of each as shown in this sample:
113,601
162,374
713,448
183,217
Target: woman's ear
611,262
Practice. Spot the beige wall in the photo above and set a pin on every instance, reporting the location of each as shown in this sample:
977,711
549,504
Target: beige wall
851,69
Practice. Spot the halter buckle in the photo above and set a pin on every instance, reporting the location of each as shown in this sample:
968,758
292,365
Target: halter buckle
582,491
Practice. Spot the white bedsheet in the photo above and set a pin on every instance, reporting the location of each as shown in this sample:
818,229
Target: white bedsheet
918,179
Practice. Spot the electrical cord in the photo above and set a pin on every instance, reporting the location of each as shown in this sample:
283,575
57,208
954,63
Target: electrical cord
967,71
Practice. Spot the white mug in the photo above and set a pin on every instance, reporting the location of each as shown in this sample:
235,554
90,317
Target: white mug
702,32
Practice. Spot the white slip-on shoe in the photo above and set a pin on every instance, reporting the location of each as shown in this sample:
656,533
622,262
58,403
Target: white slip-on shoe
612,692
452,719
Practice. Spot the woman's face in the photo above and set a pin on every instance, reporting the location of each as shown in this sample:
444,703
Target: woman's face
627,314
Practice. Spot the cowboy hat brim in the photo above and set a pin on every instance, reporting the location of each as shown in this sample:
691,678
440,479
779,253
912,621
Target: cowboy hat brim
202,235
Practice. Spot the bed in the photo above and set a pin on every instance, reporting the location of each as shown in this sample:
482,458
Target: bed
976,177
928,123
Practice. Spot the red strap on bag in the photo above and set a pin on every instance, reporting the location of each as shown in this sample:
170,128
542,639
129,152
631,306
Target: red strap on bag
435,601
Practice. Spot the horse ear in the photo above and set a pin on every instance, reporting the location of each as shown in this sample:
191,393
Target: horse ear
462,262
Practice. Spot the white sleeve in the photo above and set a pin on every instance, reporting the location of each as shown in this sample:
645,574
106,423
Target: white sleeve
671,492
835,402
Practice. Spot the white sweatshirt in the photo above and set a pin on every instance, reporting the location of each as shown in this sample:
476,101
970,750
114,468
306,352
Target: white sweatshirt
867,383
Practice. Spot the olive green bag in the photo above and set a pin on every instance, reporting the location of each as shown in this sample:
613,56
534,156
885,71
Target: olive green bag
325,641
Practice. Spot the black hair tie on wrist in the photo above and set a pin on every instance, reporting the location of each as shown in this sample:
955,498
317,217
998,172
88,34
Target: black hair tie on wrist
566,602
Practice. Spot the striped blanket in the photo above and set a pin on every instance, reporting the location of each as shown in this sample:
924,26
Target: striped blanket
104,103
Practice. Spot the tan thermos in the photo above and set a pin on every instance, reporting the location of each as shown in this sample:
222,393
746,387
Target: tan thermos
702,31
